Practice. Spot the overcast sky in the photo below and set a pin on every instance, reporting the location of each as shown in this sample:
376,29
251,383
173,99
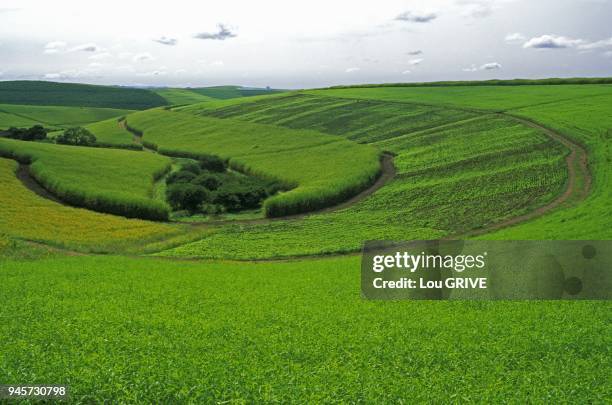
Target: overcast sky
299,44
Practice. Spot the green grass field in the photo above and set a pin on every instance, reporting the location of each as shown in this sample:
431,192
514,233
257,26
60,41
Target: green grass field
112,133
229,92
54,116
78,95
181,96
132,330
206,320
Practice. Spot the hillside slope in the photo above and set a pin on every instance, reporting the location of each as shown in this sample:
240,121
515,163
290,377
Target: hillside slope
79,95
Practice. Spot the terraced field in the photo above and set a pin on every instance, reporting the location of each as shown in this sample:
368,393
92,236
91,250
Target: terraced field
456,171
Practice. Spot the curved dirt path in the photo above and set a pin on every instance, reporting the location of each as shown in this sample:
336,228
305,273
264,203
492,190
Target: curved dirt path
576,160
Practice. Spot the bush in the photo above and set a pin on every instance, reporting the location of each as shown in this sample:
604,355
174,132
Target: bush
185,196
192,167
180,177
212,163
35,133
76,136
207,180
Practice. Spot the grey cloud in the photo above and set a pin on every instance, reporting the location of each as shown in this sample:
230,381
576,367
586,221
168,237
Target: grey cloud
486,66
552,42
166,41
86,48
416,17
415,53
221,35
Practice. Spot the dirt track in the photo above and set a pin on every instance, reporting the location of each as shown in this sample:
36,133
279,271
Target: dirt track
577,160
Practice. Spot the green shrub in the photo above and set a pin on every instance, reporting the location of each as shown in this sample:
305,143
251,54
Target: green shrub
207,180
76,136
35,133
180,177
212,163
185,196
191,167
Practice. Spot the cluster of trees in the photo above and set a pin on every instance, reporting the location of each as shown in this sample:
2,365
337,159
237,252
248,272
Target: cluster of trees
205,186
73,136
35,133
76,136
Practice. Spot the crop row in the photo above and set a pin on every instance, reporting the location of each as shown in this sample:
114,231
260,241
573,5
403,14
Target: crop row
25,215
106,180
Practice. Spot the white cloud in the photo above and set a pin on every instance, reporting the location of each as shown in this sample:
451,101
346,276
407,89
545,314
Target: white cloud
406,72
552,42
416,17
99,56
55,47
143,57
352,70
605,43
95,65
515,37
52,76
217,63
491,66
221,34
476,9
166,41
416,62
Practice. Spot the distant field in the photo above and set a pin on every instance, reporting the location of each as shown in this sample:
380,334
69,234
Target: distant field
54,116
79,95
228,92
106,180
142,330
181,96
492,98
25,215
321,167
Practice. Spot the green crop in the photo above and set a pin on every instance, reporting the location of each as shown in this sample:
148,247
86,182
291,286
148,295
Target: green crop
321,169
143,330
30,92
25,215
107,180
54,116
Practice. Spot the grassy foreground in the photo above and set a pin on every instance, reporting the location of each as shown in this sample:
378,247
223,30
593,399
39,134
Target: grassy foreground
142,330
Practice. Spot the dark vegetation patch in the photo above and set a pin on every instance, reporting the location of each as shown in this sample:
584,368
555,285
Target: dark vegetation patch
206,186
80,95
35,133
